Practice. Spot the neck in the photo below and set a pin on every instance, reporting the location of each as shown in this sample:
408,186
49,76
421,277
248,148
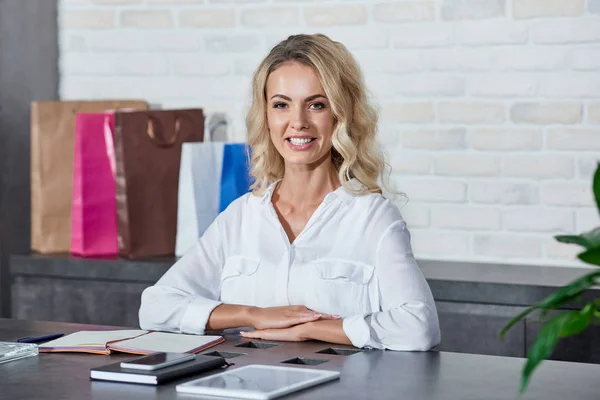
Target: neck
308,185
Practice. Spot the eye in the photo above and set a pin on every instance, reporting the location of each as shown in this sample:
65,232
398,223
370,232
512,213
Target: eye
279,104
317,106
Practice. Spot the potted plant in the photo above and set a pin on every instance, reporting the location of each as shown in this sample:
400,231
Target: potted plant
570,322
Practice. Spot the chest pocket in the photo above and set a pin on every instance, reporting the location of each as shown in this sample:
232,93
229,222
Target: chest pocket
238,280
340,287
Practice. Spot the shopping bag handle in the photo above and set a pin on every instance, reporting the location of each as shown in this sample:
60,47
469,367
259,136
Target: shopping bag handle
150,131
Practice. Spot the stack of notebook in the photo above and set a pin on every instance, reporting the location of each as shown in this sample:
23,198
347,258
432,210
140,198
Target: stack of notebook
139,342
114,372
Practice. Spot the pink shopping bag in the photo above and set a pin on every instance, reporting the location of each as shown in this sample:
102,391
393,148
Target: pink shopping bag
94,206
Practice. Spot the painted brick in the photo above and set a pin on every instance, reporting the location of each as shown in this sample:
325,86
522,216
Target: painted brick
458,59
334,16
388,135
539,166
401,12
472,9
529,58
218,18
546,113
233,44
146,19
507,245
359,37
435,139
562,251
110,65
141,41
482,33
431,86
265,17
567,194
547,8
573,30
586,166
196,65
593,111
407,112
501,192
385,86
502,85
465,217
422,36
404,162
87,19
587,219
471,113
585,59
439,243
577,84
432,190
416,216
532,219
504,139
466,165
573,139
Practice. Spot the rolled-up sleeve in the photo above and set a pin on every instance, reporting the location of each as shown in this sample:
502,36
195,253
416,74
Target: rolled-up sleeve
408,318
185,296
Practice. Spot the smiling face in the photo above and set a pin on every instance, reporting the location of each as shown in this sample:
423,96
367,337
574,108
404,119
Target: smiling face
299,115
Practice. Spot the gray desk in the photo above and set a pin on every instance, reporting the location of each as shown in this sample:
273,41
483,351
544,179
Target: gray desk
365,375
473,298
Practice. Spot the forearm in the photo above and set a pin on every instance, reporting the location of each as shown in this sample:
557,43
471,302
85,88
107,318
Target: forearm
230,316
331,331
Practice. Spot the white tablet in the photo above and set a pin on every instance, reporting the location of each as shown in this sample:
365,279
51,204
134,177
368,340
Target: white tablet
257,382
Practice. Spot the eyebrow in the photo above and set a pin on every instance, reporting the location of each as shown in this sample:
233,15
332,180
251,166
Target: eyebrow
309,98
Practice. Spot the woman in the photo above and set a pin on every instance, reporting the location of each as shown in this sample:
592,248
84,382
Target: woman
315,251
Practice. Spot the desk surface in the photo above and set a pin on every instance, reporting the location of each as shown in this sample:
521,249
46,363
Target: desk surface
369,374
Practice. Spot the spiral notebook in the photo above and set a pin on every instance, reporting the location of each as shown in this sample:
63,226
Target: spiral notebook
130,341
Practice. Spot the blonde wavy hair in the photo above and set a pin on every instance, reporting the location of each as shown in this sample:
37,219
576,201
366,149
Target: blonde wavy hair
355,153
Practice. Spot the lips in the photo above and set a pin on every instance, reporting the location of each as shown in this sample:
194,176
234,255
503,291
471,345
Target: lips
300,143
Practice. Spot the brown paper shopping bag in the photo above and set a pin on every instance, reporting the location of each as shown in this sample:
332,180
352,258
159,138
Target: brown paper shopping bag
52,148
148,152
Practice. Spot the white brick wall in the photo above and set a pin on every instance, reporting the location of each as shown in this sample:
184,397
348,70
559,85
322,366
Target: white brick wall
490,109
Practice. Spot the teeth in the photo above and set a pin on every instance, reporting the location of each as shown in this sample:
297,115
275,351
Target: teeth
299,141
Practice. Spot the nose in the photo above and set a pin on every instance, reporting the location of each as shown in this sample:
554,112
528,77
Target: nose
299,120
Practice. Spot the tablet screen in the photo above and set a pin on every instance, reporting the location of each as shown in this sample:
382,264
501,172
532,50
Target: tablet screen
258,381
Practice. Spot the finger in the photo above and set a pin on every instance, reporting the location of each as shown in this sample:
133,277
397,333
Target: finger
330,316
251,335
308,317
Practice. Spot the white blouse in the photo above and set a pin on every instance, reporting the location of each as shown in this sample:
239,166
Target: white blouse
353,259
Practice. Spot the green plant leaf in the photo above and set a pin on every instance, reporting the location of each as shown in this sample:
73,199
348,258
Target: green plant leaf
596,186
591,256
544,345
588,240
564,295
579,321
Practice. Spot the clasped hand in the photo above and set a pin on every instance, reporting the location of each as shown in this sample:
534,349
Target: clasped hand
285,323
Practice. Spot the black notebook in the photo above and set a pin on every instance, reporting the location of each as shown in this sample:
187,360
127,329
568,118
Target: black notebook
116,373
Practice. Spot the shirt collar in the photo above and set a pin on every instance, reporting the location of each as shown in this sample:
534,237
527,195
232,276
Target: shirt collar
342,193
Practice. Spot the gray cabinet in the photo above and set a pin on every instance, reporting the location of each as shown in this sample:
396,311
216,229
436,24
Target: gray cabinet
475,328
